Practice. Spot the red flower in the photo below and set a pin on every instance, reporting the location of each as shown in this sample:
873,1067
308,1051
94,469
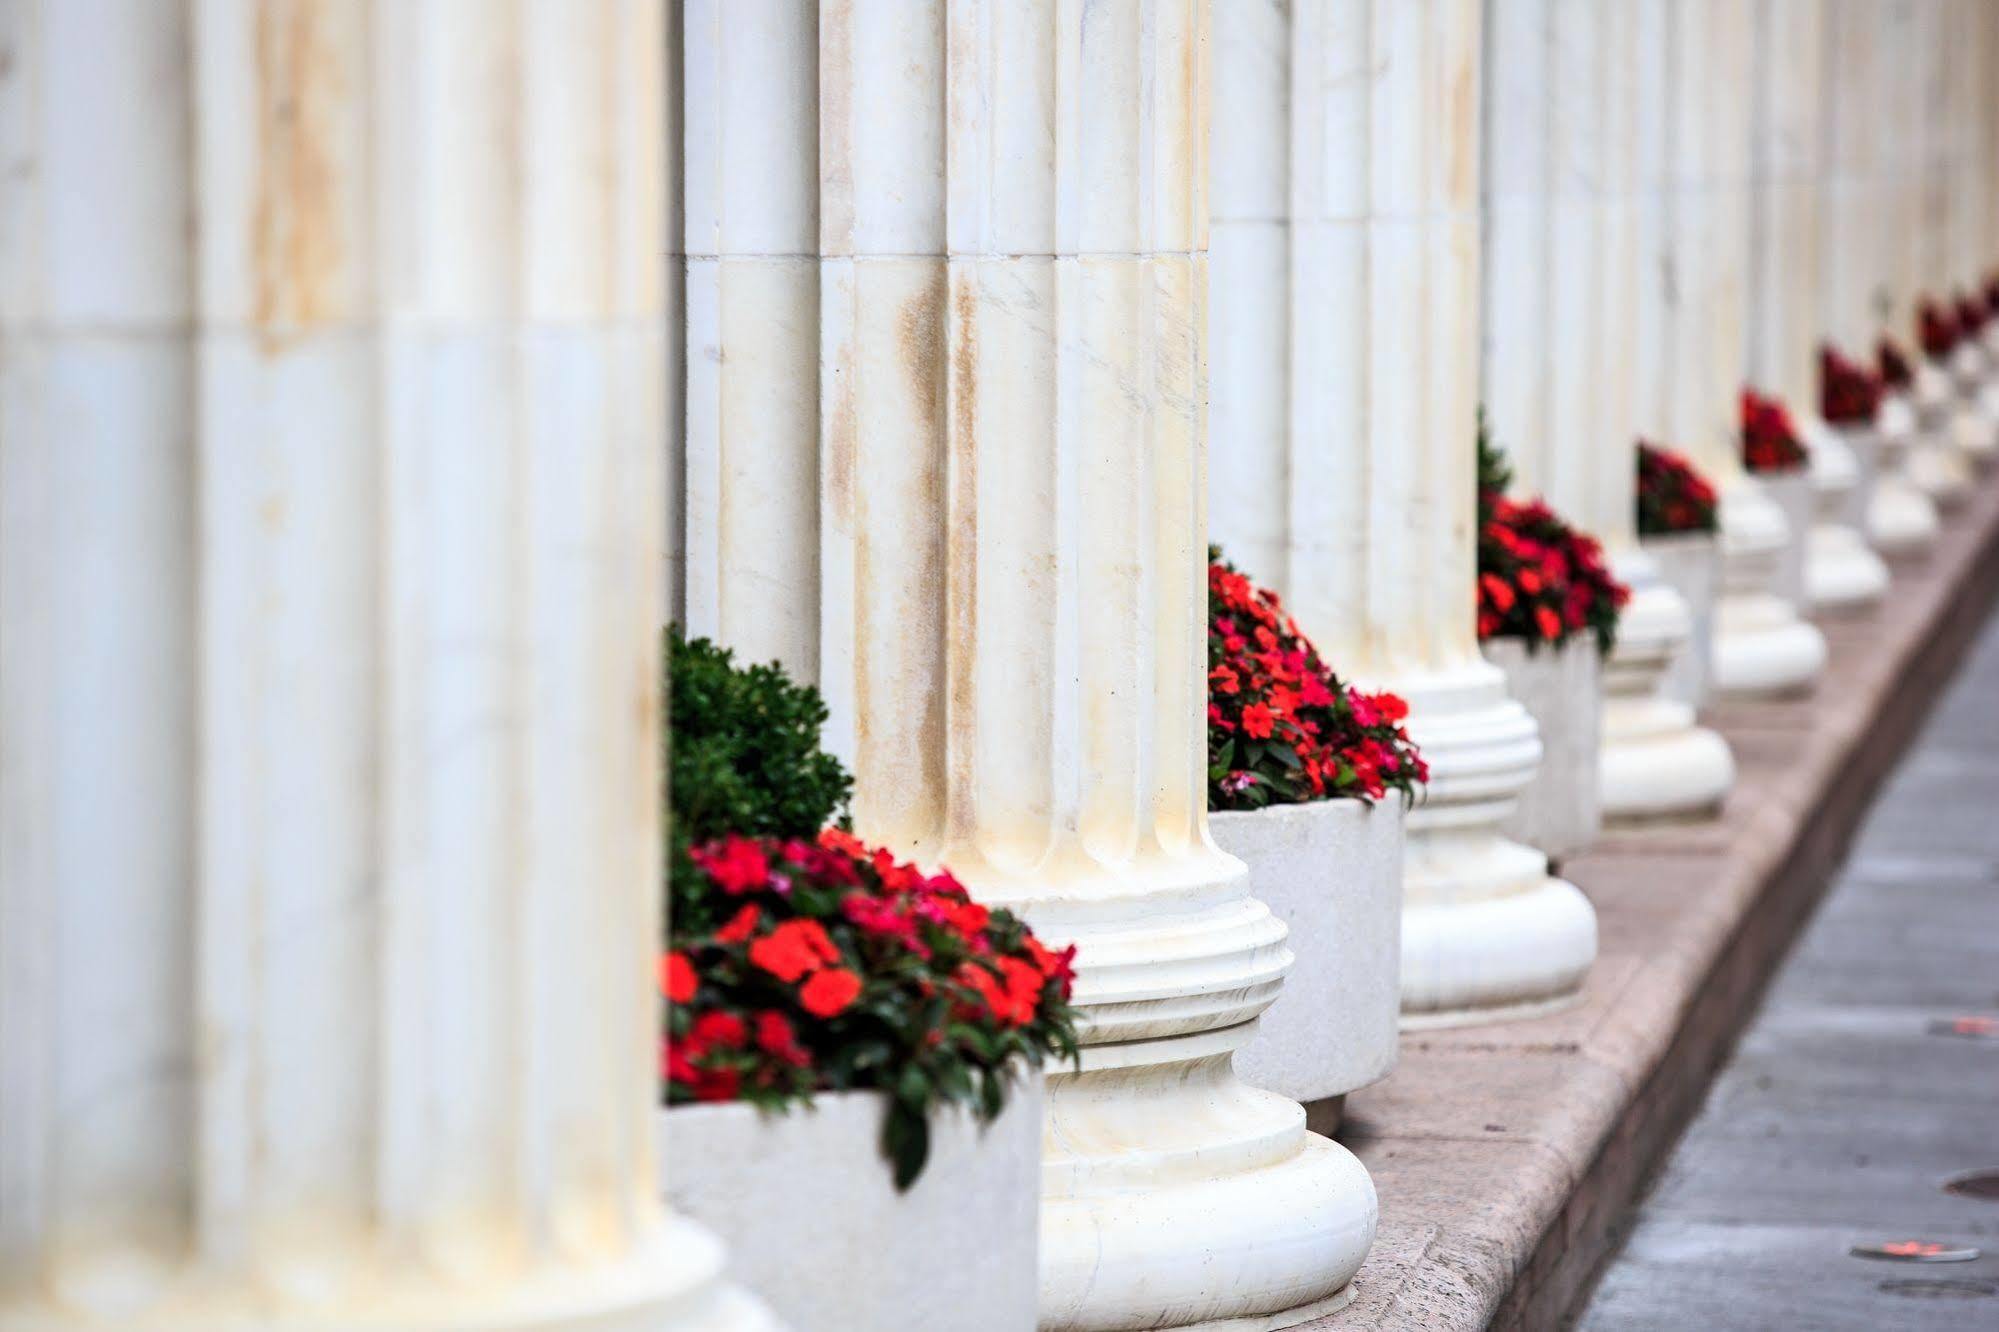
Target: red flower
1548,622
741,925
736,864
676,978
967,918
776,1038
713,1029
1257,721
829,992
794,948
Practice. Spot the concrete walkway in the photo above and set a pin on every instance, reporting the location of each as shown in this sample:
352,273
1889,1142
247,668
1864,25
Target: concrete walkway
1840,1114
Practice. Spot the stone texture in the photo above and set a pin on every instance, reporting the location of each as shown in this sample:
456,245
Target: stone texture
1514,1210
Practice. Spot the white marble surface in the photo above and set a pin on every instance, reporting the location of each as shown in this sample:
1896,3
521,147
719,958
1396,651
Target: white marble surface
1561,811
807,1205
1332,872
329,842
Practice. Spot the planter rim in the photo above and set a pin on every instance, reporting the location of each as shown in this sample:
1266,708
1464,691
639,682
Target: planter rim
1331,805
1018,1072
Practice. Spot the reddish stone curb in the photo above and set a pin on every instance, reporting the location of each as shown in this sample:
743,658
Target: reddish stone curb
1507,1157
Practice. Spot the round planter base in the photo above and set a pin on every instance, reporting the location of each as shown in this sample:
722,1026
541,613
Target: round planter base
1763,650
1562,689
1657,764
1178,1197
1902,521
1941,473
1487,959
956,1249
1842,573
1331,870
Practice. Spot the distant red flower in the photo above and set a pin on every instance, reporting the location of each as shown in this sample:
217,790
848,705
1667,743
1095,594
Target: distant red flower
1849,393
1770,442
1896,371
1936,329
1673,496
736,864
1539,579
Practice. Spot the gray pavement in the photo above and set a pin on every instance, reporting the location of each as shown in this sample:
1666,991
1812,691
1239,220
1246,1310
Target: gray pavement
1839,1115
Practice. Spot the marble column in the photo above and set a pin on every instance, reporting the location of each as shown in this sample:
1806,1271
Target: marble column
1842,572
1858,219
1761,646
1351,167
1656,762
1914,38
329,848
991,447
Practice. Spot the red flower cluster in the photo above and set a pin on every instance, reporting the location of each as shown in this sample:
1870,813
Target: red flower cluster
1896,371
1972,312
1539,579
798,966
1936,329
1849,393
1282,728
1672,496
1770,442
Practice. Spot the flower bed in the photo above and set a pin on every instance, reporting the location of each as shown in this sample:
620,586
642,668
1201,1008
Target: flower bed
1673,497
1282,728
1898,374
1539,579
1849,393
1936,329
801,960
1770,442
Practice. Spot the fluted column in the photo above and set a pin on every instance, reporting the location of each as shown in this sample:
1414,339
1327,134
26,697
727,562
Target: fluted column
1761,646
1919,242
1656,762
1860,220
1362,494
329,854
1841,571
1005,597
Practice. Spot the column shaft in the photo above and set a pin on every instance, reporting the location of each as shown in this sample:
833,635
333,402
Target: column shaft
329,851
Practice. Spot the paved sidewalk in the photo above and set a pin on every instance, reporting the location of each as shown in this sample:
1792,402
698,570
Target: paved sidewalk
1839,1114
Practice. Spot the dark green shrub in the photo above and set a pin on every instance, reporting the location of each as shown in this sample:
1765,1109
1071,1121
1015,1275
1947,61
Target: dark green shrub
744,755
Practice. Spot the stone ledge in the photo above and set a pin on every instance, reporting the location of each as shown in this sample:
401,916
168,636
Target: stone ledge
1507,1157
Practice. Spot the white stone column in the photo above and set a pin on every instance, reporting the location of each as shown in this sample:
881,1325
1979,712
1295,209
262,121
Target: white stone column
1656,762
1860,220
1008,601
1915,38
1344,386
1841,571
1761,646
329,856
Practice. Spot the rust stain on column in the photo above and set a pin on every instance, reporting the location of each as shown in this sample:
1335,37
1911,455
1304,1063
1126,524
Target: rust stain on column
295,230
960,590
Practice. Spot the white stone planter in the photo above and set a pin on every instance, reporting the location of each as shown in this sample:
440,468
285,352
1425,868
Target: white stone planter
809,1211
1332,871
1690,563
1901,520
1936,466
1560,812
1791,491
1842,572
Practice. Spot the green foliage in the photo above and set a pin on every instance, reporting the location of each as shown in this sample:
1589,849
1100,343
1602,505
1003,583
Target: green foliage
745,755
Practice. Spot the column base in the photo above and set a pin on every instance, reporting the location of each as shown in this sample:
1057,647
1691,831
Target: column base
1657,764
1763,650
1175,1196
1902,521
1940,472
1842,573
1974,433
671,1282
1496,958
